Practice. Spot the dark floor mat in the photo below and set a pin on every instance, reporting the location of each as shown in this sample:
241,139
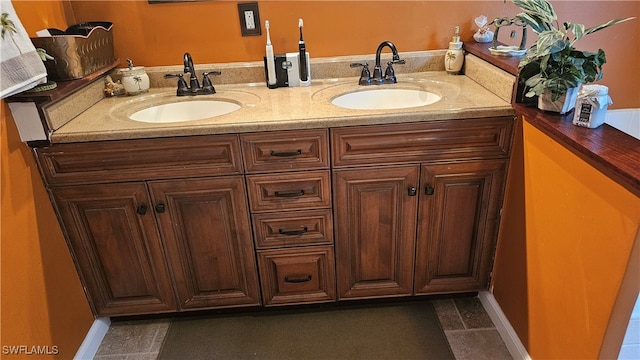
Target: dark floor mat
400,332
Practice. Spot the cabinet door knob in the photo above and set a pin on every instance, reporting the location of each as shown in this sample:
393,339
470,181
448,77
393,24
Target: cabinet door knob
429,190
142,209
297,279
286,153
412,191
159,208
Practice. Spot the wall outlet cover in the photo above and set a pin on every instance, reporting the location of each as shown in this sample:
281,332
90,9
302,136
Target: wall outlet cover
249,19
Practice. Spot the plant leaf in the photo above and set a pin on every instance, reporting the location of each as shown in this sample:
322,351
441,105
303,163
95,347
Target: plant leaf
550,42
576,29
538,14
591,30
539,8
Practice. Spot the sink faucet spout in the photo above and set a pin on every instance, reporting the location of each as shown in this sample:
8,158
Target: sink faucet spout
189,68
388,77
391,46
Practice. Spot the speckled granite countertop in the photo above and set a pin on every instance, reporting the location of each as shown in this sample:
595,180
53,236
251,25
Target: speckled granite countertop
266,109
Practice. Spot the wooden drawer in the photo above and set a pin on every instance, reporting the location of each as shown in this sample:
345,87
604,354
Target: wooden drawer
289,191
297,276
286,150
422,142
293,228
124,160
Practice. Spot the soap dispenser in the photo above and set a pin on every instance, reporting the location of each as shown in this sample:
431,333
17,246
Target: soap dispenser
454,57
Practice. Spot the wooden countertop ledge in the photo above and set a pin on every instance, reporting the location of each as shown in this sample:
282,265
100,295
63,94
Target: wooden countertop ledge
609,150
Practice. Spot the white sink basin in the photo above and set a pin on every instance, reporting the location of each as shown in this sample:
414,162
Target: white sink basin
377,99
184,111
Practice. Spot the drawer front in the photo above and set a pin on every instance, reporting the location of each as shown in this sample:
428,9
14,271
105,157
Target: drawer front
143,159
286,150
290,191
293,228
421,142
297,276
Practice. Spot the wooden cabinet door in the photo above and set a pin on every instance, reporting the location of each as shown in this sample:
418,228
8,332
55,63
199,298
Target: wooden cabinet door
375,216
115,242
206,229
458,218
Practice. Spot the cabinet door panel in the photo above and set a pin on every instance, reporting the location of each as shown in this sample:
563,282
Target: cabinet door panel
117,248
375,219
208,238
458,224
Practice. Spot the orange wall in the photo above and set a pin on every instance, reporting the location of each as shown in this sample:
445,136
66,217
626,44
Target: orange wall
578,232
42,302
159,34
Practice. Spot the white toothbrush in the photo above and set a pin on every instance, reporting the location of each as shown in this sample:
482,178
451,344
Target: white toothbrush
271,66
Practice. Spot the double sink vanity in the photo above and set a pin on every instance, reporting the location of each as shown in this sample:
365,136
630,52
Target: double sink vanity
284,196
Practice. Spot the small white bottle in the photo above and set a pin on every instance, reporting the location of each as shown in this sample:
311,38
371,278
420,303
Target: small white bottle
454,57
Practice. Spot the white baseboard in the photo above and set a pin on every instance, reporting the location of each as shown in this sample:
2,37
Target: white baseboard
93,339
508,334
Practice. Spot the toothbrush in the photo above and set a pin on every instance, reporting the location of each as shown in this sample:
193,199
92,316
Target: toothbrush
271,66
304,73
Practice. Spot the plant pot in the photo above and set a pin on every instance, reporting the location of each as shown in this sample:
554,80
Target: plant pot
563,105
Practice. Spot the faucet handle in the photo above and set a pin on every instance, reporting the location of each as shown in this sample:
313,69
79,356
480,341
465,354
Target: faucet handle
207,86
182,84
389,74
365,75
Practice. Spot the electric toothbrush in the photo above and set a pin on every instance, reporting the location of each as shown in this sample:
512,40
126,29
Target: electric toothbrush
271,66
304,71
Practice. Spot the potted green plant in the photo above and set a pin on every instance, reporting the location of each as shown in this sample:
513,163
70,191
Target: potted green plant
552,68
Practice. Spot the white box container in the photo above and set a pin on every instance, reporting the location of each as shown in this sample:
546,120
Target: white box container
591,106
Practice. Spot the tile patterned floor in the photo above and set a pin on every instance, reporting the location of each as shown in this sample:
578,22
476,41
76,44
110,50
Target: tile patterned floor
469,330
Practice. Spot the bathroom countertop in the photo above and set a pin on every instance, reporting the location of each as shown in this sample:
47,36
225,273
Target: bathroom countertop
266,109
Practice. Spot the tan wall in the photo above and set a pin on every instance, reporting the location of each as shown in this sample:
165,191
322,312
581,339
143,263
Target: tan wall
560,267
42,301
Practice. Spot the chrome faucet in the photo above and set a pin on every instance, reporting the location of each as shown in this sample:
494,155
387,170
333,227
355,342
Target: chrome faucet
378,79
194,87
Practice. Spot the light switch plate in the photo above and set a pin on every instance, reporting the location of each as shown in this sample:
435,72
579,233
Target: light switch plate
249,19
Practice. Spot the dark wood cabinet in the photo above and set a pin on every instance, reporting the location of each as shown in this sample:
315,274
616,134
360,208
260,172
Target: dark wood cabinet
169,241
458,223
283,217
113,233
289,188
375,217
206,229
426,227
